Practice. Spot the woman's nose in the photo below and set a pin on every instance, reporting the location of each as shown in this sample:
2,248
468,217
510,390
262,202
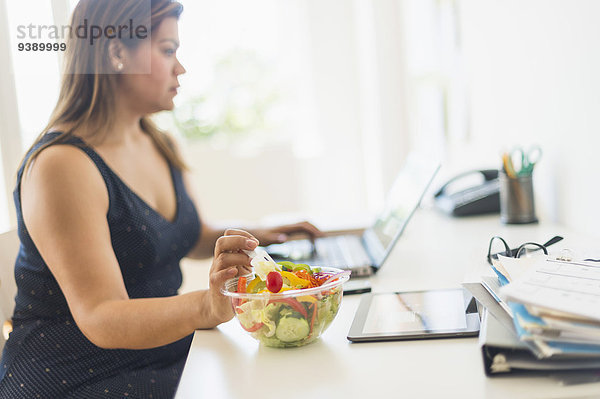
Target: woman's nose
179,69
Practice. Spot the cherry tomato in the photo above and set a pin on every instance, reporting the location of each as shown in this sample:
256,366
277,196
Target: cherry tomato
274,282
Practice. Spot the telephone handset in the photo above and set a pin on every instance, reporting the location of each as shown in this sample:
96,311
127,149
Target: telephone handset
477,199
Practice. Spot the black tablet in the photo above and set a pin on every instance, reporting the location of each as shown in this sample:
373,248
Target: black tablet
394,316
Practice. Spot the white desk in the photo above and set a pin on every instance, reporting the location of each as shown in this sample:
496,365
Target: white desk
434,252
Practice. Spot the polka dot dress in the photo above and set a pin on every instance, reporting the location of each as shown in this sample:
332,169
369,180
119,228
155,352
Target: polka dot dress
47,356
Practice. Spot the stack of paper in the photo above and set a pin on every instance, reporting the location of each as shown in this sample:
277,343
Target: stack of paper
548,311
556,305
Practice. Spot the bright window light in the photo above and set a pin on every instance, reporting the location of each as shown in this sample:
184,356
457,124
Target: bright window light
37,87
248,72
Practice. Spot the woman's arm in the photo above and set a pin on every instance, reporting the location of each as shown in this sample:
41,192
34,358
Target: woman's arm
140,323
64,202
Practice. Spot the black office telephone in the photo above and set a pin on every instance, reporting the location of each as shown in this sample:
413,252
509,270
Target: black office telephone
481,198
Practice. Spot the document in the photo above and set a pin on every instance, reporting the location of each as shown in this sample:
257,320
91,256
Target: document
540,314
514,268
556,306
570,287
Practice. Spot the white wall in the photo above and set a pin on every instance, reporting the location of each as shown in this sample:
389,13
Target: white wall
534,77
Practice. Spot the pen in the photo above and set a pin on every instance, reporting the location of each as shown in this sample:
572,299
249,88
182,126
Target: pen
508,165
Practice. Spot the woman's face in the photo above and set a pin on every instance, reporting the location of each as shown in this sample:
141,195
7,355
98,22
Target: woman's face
154,88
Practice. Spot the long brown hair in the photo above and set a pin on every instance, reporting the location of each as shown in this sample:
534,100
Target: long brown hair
87,93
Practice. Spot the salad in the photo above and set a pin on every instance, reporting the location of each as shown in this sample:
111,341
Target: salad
282,304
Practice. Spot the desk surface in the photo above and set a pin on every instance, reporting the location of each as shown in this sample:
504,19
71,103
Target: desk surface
434,252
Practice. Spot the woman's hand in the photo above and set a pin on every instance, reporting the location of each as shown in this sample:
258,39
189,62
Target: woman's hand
277,235
229,261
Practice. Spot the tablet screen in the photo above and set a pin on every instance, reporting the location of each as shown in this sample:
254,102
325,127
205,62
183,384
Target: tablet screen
417,314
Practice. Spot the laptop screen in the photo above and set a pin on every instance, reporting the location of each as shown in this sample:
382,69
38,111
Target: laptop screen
403,199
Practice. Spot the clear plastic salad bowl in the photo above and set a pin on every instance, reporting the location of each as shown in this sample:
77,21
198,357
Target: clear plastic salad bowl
290,318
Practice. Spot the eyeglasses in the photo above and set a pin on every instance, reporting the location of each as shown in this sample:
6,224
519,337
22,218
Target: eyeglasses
516,252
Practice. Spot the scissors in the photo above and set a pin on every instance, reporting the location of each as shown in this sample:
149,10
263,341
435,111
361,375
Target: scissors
523,161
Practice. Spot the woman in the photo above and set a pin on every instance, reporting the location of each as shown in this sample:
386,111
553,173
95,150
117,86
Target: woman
104,217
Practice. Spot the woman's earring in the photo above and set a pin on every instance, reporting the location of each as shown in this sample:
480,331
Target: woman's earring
119,66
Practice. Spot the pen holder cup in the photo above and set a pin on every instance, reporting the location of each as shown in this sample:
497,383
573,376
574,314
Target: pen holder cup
516,199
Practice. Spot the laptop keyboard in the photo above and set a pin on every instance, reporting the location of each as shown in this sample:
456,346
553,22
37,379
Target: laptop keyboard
342,251
345,251
329,252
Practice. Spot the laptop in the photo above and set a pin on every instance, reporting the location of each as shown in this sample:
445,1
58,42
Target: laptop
365,253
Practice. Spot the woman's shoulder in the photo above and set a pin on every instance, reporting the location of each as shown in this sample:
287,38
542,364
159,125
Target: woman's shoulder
63,156
65,178
54,135
64,167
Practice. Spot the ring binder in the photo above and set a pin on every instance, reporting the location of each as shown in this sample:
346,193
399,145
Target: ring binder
553,324
504,353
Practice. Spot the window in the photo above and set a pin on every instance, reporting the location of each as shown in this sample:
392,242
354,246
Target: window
248,79
435,73
36,73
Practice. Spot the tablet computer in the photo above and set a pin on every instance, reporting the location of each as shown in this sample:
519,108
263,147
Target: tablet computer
442,313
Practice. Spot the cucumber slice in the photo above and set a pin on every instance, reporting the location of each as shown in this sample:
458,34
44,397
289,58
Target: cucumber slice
291,329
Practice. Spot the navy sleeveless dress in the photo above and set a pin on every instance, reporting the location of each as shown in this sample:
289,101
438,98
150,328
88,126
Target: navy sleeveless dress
47,356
